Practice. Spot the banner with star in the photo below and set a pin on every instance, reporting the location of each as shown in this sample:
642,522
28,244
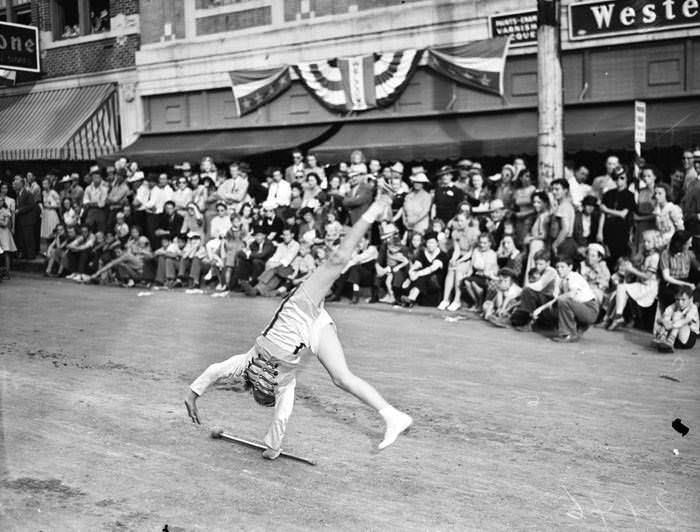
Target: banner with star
478,65
254,88
359,83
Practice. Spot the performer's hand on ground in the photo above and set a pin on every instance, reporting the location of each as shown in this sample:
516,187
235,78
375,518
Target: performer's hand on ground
271,454
191,404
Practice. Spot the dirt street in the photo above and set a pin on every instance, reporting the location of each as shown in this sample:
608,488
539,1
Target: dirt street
512,432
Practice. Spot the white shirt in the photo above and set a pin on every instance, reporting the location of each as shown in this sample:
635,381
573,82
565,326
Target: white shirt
158,197
284,254
182,197
577,287
142,195
280,193
219,226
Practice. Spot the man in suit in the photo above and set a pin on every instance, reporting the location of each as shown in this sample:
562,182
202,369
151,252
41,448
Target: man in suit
26,219
359,197
297,166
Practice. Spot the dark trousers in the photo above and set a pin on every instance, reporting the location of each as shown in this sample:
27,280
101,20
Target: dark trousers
152,223
96,219
247,269
166,269
529,301
26,240
360,274
78,260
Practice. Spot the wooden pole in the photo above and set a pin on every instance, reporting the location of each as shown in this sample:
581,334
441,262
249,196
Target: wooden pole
550,137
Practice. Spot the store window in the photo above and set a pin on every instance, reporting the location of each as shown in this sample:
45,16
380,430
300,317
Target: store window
74,18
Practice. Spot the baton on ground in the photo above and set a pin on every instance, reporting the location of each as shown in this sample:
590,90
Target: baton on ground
218,433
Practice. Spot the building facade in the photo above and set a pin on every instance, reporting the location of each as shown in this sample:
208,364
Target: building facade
171,60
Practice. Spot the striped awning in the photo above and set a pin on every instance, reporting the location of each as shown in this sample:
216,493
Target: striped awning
78,124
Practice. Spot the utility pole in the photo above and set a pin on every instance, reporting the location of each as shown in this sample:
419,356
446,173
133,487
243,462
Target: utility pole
550,134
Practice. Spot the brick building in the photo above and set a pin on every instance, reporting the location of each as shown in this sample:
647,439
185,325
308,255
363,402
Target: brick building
82,104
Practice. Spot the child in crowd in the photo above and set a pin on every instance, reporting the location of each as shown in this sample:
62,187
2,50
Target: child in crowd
56,251
678,326
392,259
498,309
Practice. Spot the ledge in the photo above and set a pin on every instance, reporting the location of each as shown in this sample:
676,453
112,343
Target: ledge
121,26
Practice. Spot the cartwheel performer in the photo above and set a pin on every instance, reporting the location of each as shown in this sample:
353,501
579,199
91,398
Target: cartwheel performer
301,323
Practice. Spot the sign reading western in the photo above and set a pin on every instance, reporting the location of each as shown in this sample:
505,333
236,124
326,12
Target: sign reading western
521,26
596,19
19,47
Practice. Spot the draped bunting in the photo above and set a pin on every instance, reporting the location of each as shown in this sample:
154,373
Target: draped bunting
359,83
479,64
377,80
255,88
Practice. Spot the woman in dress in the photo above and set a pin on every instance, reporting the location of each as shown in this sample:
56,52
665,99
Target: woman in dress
68,214
51,202
675,266
536,239
522,200
7,243
617,206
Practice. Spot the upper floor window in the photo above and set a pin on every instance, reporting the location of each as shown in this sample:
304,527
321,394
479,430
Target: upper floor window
17,11
73,18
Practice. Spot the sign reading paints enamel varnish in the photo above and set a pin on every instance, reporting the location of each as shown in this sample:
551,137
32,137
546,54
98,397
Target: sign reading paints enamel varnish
640,121
521,26
19,47
595,19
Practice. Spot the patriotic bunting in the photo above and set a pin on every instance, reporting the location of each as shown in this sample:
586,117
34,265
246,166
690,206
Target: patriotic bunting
359,83
479,65
255,88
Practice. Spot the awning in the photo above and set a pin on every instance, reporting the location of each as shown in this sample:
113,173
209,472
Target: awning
156,149
81,123
586,128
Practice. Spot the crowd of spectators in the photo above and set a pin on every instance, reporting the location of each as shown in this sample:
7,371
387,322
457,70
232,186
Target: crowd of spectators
614,250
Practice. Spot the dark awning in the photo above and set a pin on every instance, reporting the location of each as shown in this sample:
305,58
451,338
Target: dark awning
586,127
80,123
160,149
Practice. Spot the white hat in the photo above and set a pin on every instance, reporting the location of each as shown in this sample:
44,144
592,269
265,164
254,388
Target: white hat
417,170
397,167
193,234
419,178
268,205
66,179
597,247
496,204
495,177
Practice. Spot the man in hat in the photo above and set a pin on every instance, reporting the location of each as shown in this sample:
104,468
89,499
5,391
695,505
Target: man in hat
26,219
117,197
416,205
359,196
498,309
141,190
299,325
447,196
186,169
95,201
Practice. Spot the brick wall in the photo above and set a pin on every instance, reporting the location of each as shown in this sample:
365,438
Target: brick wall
93,56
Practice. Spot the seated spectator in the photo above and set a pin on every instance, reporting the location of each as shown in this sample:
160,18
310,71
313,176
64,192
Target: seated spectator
7,241
484,271
192,263
308,229
477,194
460,266
170,222
644,289
360,271
538,237
121,227
182,196
313,195
498,308
296,199
216,261
302,266
495,221
269,223
595,271
131,262
669,216
220,224
676,265
358,197
278,268
540,289
678,326
79,254
333,230
168,257
250,262
426,274
391,260
509,256
56,251
576,305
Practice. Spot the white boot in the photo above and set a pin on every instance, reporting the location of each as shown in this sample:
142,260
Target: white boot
396,423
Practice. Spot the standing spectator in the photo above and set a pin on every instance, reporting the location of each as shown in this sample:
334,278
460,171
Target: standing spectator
313,167
540,290
605,182
426,275
669,216
7,243
459,266
117,198
160,194
199,192
358,198
296,166
617,207
645,289
357,163
690,174
75,192
26,219
478,195
576,305
679,325
417,206
578,185
505,186
234,190
565,215
68,215
142,192
644,218
33,187
279,193
51,202
676,263
94,202
447,196
182,196
587,222
484,270
463,166
524,212
10,202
